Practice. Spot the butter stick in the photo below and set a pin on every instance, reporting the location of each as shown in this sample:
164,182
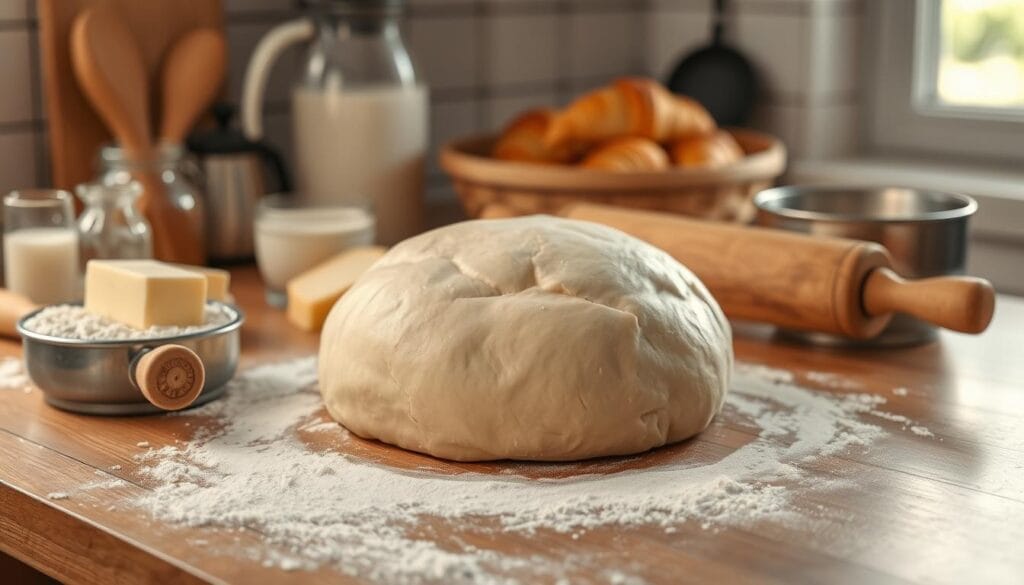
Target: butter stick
312,293
218,282
144,293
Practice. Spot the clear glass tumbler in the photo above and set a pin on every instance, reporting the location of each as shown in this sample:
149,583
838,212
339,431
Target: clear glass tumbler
41,246
292,238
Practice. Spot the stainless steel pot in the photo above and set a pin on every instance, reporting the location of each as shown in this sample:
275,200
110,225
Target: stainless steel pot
110,377
924,231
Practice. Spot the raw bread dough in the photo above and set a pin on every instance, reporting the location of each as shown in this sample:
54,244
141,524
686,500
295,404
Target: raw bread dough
530,338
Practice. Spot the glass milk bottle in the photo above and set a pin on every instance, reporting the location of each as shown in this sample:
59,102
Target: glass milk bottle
359,112
41,246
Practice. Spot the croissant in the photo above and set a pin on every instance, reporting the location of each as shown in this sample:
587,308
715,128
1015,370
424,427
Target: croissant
523,140
712,151
628,154
630,107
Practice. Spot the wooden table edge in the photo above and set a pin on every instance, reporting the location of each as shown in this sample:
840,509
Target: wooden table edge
55,528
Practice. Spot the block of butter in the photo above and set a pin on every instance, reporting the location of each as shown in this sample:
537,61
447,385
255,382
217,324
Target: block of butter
218,282
144,293
312,293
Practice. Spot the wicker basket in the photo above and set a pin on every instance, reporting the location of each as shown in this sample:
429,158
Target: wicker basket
509,188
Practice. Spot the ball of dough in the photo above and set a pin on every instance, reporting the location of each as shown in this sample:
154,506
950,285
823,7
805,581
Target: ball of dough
532,338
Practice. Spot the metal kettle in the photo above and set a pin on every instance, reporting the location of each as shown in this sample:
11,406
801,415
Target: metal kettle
235,173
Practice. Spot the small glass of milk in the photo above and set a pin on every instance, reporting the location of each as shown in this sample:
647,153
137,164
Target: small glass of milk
291,238
41,246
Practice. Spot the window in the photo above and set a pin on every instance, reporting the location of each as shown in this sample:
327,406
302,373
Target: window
947,78
970,58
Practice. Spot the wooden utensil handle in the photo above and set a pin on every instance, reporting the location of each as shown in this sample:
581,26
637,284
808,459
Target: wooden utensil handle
960,303
176,237
788,279
170,376
12,308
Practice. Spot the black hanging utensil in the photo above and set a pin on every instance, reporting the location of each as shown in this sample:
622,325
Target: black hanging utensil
718,76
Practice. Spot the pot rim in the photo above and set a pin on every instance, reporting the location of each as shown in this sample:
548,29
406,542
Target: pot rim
236,314
768,201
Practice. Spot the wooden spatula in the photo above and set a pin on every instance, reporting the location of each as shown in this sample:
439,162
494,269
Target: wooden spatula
193,72
108,65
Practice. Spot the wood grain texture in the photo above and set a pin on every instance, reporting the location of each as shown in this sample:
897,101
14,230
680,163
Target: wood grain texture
943,509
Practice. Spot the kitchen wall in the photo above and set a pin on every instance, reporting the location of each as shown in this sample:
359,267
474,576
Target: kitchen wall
487,59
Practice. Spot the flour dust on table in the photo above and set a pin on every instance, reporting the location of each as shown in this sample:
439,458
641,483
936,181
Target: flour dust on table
320,503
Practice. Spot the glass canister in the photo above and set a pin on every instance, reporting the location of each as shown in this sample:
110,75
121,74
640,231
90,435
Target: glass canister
177,178
110,227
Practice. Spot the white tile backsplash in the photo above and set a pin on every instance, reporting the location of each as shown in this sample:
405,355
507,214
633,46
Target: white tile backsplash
501,110
447,50
13,10
834,56
777,46
486,60
604,44
520,49
671,34
15,71
17,160
450,120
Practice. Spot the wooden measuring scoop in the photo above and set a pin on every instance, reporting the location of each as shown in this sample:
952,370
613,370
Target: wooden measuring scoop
108,65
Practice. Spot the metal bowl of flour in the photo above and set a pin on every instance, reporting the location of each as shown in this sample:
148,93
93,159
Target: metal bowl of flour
100,377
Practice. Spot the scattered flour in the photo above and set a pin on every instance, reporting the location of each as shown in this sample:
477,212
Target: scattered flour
252,471
921,431
142,444
13,376
74,322
57,495
901,391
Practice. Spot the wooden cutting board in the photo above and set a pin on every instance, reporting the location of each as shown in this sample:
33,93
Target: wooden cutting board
75,131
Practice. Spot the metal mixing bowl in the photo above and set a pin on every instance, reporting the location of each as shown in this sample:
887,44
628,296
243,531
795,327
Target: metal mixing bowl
924,231
96,377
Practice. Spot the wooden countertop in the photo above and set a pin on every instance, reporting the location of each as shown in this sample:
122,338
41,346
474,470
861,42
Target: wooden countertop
949,508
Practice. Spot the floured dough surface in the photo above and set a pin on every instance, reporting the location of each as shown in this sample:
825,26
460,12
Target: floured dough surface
532,338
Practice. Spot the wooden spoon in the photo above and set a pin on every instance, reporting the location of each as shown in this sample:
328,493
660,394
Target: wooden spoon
193,72
108,65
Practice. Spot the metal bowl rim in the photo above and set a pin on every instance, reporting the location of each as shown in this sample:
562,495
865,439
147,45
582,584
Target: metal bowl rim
237,318
776,193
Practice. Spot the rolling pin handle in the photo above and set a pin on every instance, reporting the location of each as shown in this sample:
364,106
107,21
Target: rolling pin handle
170,376
12,308
960,303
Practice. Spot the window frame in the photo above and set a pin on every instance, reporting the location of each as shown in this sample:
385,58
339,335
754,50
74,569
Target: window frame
927,53
904,117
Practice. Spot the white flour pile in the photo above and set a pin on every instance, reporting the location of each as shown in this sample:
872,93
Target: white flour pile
316,509
13,375
74,322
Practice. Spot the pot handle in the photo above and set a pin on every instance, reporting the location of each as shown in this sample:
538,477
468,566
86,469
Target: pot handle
170,376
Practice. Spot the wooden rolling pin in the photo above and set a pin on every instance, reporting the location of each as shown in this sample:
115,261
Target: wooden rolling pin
798,281
12,308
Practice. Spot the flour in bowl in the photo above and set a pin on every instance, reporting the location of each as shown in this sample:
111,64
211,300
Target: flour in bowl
74,322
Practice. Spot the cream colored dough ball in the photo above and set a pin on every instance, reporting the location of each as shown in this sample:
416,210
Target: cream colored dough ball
532,338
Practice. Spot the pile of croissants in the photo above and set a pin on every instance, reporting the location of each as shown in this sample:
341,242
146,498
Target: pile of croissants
632,125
